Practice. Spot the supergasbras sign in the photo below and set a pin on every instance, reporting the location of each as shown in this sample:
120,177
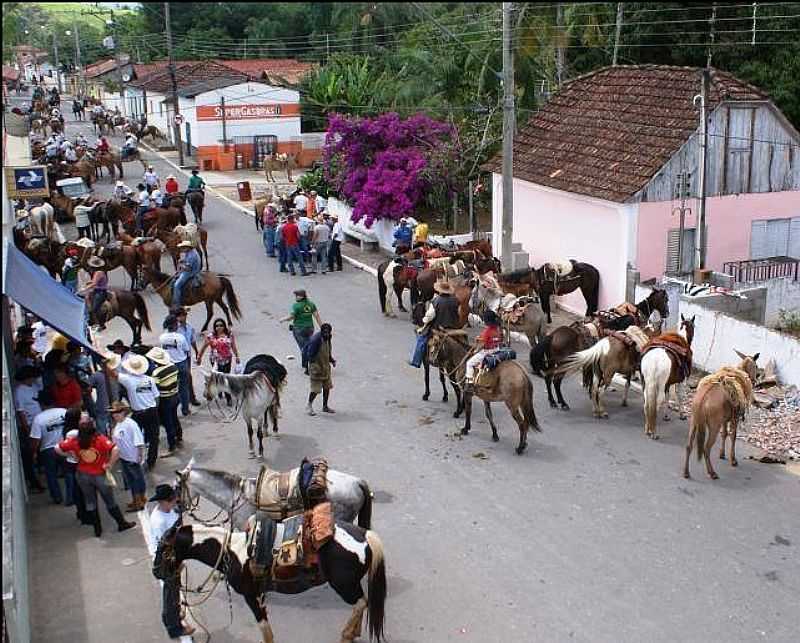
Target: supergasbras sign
245,112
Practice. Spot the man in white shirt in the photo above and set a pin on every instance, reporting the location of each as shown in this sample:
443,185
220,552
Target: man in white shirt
162,518
41,339
335,249
130,443
151,179
301,203
144,206
143,398
306,226
179,351
320,241
28,386
46,432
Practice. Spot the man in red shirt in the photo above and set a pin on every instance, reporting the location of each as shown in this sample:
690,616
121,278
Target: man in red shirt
171,186
487,342
291,239
65,390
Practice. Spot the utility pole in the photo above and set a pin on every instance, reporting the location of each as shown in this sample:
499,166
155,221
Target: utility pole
81,77
560,44
712,34
224,124
506,233
113,24
58,64
176,129
617,34
700,232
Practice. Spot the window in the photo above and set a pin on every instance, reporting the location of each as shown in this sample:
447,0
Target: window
161,109
775,238
687,258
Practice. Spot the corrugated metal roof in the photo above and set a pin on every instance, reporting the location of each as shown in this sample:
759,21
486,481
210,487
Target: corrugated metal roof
607,133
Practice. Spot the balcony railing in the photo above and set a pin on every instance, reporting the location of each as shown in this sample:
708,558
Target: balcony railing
763,269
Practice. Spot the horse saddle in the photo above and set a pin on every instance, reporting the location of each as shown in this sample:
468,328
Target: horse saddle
493,360
512,309
278,494
627,341
681,355
560,269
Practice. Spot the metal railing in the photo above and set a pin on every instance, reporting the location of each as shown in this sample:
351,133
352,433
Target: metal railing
763,269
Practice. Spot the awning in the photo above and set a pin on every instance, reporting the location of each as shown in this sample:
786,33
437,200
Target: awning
32,288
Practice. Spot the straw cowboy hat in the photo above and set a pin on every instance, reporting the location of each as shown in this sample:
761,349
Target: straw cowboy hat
185,245
113,361
443,287
119,406
96,262
86,242
159,356
136,364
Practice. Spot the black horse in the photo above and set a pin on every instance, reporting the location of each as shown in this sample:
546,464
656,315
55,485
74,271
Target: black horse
547,282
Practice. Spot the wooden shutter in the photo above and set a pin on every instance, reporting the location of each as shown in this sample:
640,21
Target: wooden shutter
672,251
794,238
759,248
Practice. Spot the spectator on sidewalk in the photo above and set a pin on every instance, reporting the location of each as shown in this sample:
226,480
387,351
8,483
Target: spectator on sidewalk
179,351
65,390
269,222
281,244
128,438
71,424
302,316
142,394
190,335
25,393
162,519
46,431
96,455
291,238
337,239
306,227
320,360
320,240
166,377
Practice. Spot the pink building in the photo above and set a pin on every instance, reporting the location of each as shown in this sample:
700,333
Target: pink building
598,173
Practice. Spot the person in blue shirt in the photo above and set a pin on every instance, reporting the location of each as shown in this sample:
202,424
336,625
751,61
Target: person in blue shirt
402,236
189,268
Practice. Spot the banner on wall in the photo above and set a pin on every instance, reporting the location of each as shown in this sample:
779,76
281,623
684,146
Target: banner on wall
247,112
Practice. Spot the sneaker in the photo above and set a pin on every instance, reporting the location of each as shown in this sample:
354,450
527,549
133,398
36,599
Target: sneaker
327,409
168,454
310,410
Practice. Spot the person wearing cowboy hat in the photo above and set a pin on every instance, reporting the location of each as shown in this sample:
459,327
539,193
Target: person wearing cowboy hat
97,286
122,192
188,268
151,180
162,519
402,237
490,339
128,437
171,185
69,271
442,312
167,376
143,395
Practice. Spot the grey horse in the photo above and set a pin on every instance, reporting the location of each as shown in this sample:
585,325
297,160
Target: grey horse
350,497
488,295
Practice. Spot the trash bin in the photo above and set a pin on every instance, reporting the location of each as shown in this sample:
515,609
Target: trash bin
244,191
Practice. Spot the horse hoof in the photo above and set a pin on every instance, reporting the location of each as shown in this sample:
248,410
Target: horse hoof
425,397
655,437
686,475
495,438
714,476
553,405
520,450
721,456
624,403
251,455
565,407
444,399
603,416
734,463
682,416
464,431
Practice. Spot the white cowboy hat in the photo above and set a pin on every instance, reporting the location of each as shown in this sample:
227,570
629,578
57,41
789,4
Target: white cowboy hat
113,361
171,176
86,242
443,287
120,184
136,364
185,245
159,356
96,262
333,215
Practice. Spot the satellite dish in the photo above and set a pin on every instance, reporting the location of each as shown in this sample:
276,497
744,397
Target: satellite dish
126,77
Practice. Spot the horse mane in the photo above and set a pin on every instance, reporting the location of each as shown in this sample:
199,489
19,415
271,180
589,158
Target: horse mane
231,479
515,276
735,383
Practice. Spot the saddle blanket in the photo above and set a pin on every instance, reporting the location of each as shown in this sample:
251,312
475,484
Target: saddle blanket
561,268
681,354
280,495
493,360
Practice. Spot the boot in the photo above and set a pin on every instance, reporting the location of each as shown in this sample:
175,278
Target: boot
142,501
133,505
95,518
122,524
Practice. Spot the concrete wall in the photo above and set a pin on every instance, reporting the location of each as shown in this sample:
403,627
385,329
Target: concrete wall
717,335
381,231
781,293
728,219
553,225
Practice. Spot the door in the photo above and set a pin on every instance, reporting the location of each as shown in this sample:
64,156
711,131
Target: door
265,145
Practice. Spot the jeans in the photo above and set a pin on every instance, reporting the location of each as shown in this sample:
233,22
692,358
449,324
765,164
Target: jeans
183,384
134,477
50,461
268,236
282,256
171,606
335,253
102,422
72,286
98,299
321,255
177,288
292,256
148,421
92,485
305,248
168,416
140,212
302,336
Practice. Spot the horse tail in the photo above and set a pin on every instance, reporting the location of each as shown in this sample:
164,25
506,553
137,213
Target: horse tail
376,588
382,290
230,295
700,435
365,513
527,406
588,358
539,355
652,388
141,309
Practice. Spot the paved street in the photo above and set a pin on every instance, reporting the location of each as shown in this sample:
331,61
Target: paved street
591,535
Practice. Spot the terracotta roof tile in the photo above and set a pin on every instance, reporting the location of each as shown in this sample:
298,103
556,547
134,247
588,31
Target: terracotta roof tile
287,68
187,74
605,134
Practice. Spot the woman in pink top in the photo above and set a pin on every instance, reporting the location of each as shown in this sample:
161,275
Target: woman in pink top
223,348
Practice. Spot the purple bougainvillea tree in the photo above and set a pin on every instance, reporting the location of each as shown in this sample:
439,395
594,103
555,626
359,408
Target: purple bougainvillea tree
387,167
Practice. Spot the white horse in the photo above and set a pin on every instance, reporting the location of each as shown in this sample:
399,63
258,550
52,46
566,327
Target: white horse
254,395
43,223
350,496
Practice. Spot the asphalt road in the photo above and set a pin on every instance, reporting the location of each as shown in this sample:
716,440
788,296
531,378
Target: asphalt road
591,535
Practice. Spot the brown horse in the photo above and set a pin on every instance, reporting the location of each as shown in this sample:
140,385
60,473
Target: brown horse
148,253
42,251
84,169
564,341
720,401
550,280
128,305
153,132
111,162
211,291
507,383
197,201
171,239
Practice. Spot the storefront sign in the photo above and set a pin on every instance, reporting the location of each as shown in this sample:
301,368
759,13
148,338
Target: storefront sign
246,112
27,182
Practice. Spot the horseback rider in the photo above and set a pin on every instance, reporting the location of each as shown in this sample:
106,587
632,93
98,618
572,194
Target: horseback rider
188,268
196,183
402,237
171,186
487,343
442,312
144,206
151,180
129,146
98,286
70,156
51,148
102,145
80,141
122,192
